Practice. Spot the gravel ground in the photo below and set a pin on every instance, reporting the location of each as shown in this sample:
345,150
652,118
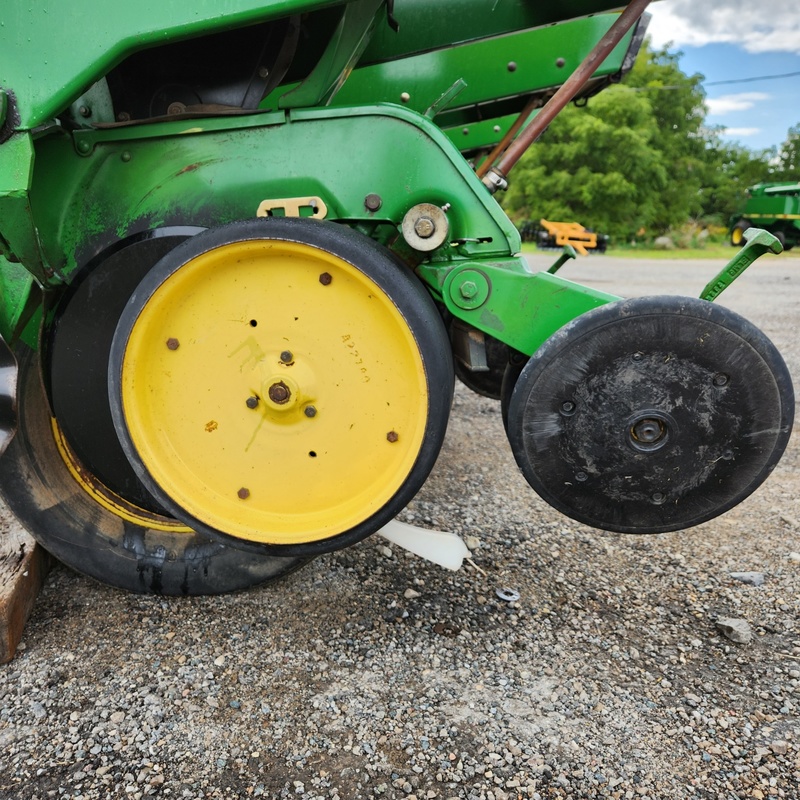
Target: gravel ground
373,674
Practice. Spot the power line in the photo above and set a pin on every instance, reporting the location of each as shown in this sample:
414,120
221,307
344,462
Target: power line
750,80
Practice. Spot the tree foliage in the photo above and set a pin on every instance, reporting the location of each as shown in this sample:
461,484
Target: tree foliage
638,159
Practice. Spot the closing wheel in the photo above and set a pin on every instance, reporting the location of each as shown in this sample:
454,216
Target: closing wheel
99,533
651,415
282,383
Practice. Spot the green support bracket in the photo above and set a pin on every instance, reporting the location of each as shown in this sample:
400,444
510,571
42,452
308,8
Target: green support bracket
348,42
566,254
758,242
504,299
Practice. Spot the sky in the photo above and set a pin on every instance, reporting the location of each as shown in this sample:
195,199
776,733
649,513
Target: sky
727,40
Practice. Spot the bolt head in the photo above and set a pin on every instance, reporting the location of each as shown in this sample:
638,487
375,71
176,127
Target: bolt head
468,289
310,411
392,437
325,279
286,356
279,393
424,227
243,493
173,344
372,202
251,402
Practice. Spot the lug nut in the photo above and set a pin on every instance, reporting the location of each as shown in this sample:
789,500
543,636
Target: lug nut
173,344
279,393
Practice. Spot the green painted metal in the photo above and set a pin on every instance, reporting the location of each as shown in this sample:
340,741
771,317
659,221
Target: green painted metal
426,25
522,63
758,242
351,36
518,307
213,171
54,51
774,207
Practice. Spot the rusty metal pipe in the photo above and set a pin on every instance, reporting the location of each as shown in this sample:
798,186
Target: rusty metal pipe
495,177
507,139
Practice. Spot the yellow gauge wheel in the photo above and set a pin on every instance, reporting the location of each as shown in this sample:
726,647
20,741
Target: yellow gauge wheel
271,389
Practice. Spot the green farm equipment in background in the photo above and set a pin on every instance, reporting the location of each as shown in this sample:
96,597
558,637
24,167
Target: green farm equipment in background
245,247
775,207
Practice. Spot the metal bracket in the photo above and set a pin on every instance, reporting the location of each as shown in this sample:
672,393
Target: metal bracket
759,242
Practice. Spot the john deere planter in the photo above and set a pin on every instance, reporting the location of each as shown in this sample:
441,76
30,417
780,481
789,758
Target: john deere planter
242,249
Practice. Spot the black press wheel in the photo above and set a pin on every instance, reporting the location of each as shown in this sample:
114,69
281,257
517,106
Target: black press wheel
651,415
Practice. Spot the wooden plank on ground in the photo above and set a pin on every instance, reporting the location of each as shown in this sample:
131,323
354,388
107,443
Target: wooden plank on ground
23,568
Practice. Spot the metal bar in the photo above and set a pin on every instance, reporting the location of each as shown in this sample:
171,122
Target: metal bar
495,178
506,140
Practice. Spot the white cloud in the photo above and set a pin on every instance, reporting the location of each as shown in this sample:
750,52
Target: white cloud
755,27
734,102
741,131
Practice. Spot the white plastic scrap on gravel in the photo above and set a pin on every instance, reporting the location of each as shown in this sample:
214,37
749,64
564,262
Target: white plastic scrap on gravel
374,674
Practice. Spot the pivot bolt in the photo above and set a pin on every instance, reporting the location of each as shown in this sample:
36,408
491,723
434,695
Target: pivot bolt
392,437
243,493
424,227
468,289
279,393
251,402
325,279
173,344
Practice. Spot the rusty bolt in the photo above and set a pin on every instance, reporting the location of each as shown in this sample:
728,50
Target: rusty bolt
286,356
243,493
251,402
173,344
279,393
372,202
392,437
325,279
310,411
424,227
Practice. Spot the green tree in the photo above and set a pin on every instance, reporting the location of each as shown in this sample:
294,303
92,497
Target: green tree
787,161
633,158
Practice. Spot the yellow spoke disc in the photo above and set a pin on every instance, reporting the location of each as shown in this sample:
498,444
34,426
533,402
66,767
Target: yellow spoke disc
274,391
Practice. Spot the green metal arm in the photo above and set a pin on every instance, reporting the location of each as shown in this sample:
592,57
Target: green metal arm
758,242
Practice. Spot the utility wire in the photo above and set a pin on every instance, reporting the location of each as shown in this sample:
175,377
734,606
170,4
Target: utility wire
750,80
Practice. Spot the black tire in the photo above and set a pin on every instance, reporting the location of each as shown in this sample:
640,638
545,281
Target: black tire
408,296
47,499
